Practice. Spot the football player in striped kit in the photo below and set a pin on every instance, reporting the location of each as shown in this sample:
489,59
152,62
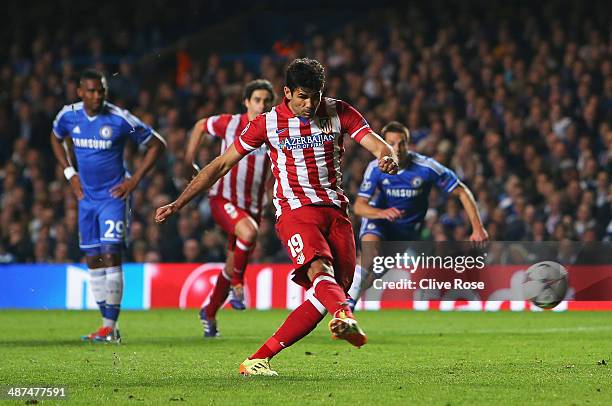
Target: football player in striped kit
236,200
304,135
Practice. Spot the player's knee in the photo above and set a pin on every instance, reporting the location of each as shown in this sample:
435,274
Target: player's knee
320,265
94,261
251,234
111,254
247,229
111,258
369,237
247,232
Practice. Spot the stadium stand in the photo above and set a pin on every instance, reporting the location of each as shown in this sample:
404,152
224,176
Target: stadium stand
516,99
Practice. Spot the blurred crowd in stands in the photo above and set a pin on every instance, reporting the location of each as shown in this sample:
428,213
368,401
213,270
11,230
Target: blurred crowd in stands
519,106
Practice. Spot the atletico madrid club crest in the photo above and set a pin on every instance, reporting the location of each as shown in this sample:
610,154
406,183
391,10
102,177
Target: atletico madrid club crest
325,125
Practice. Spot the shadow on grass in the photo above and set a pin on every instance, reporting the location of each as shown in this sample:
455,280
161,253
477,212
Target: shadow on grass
167,341
43,343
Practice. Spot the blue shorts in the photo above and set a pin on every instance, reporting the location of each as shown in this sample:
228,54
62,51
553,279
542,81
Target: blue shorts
390,231
103,225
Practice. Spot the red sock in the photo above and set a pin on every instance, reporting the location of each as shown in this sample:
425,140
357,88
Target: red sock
330,294
241,258
298,324
218,296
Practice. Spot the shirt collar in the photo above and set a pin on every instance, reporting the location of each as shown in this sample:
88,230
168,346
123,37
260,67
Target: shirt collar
102,111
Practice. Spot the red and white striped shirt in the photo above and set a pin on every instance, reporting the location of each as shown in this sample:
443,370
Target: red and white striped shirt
306,155
244,184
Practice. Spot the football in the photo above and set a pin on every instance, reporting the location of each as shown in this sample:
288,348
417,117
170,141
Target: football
545,284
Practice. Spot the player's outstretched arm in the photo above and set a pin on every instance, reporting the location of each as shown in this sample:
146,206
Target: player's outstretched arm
469,204
202,182
191,168
155,147
62,154
387,160
362,208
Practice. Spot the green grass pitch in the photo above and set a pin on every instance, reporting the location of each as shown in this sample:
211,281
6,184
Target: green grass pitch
412,358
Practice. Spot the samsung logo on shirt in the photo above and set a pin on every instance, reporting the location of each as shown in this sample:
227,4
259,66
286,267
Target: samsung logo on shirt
403,192
92,144
307,141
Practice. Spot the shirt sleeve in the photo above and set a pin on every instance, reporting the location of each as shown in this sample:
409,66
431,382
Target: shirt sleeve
352,122
252,137
60,124
137,130
217,125
445,178
370,180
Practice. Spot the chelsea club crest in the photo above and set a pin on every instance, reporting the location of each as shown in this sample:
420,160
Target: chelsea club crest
106,132
417,181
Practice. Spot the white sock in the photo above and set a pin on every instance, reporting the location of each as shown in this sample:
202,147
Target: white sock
114,293
355,289
97,282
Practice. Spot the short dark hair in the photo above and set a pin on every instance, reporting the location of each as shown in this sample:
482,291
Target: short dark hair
305,73
257,84
396,127
92,74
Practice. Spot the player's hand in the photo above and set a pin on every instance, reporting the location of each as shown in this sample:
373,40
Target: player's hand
390,214
162,213
479,235
75,185
122,190
388,164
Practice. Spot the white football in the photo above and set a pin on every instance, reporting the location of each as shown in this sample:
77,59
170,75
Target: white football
546,284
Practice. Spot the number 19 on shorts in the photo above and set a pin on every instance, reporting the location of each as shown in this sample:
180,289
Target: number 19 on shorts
296,245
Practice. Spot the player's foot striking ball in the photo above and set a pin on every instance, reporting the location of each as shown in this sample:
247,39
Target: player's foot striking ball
346,328
305,135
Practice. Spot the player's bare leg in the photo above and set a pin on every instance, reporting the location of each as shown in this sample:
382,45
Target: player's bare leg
208,312
246,231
